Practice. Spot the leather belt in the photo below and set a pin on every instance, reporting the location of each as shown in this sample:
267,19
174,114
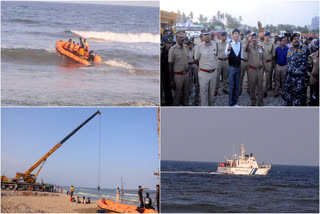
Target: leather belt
191,63
245,60
255,67
208,71
222,59
269,60
179,73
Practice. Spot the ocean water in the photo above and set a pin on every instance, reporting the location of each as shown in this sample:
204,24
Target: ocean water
196,187
130,196
126,37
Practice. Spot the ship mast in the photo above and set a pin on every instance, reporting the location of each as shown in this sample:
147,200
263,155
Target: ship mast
242,152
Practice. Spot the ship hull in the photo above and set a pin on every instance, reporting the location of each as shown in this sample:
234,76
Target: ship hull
243,171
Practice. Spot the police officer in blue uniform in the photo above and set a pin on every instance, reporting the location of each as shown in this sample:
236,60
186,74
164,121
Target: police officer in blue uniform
297,58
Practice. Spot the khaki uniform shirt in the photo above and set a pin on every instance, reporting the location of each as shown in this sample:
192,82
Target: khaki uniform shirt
179,57
268,50
255,56
221,50
206,56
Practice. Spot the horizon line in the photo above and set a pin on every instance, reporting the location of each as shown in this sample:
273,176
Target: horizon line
220,162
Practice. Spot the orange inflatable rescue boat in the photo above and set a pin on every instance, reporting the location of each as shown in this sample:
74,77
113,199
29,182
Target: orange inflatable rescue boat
114,207
73,56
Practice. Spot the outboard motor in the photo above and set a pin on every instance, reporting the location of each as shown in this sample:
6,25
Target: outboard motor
92,54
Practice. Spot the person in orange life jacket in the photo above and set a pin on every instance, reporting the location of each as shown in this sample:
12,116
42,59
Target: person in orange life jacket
86,45
76,48
66,45
81,52
71,46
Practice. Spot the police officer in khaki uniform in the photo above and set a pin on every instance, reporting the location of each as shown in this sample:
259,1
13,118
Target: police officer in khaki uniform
178,69
268,54
244,62
222,65
206,59
256,63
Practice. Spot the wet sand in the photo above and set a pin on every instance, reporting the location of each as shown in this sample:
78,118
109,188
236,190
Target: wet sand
42,202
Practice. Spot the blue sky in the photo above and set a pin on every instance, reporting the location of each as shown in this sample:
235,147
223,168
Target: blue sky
285,136
129,145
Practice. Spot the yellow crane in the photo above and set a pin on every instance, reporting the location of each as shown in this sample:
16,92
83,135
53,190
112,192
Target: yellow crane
30,179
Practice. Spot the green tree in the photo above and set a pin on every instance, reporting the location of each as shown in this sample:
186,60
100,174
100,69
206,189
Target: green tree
205,19
219,15
184,17
191,15
201,19
222,16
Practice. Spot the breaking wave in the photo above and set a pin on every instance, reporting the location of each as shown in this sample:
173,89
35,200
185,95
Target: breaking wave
33,56
119,37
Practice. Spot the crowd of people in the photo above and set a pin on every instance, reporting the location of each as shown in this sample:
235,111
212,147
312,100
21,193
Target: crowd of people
72,199
194,74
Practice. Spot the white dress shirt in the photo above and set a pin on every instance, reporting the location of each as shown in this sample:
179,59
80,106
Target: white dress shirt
236,48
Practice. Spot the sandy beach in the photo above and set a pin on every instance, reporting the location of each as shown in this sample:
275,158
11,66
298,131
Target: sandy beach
42,202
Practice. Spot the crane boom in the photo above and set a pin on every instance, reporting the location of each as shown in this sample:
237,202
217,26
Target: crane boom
31,178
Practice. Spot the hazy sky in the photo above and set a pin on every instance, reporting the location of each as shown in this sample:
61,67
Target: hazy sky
129,146
268,12
127,3
274,135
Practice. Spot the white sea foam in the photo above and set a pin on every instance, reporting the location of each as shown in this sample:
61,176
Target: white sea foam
119,37
121,64
83,193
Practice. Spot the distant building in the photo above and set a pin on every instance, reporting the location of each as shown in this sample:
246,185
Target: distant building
309,27
315,23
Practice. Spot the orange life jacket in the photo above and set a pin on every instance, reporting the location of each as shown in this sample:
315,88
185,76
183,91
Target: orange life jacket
71,47
76,48
81,51
66,45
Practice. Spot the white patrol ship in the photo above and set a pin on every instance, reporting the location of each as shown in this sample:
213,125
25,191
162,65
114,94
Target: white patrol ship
243,165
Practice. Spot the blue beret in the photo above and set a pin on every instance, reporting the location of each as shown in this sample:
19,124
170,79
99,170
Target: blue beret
267,33
253,34
248,31
223,33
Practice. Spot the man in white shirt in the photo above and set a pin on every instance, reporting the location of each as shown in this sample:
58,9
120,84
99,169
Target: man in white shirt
235,54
